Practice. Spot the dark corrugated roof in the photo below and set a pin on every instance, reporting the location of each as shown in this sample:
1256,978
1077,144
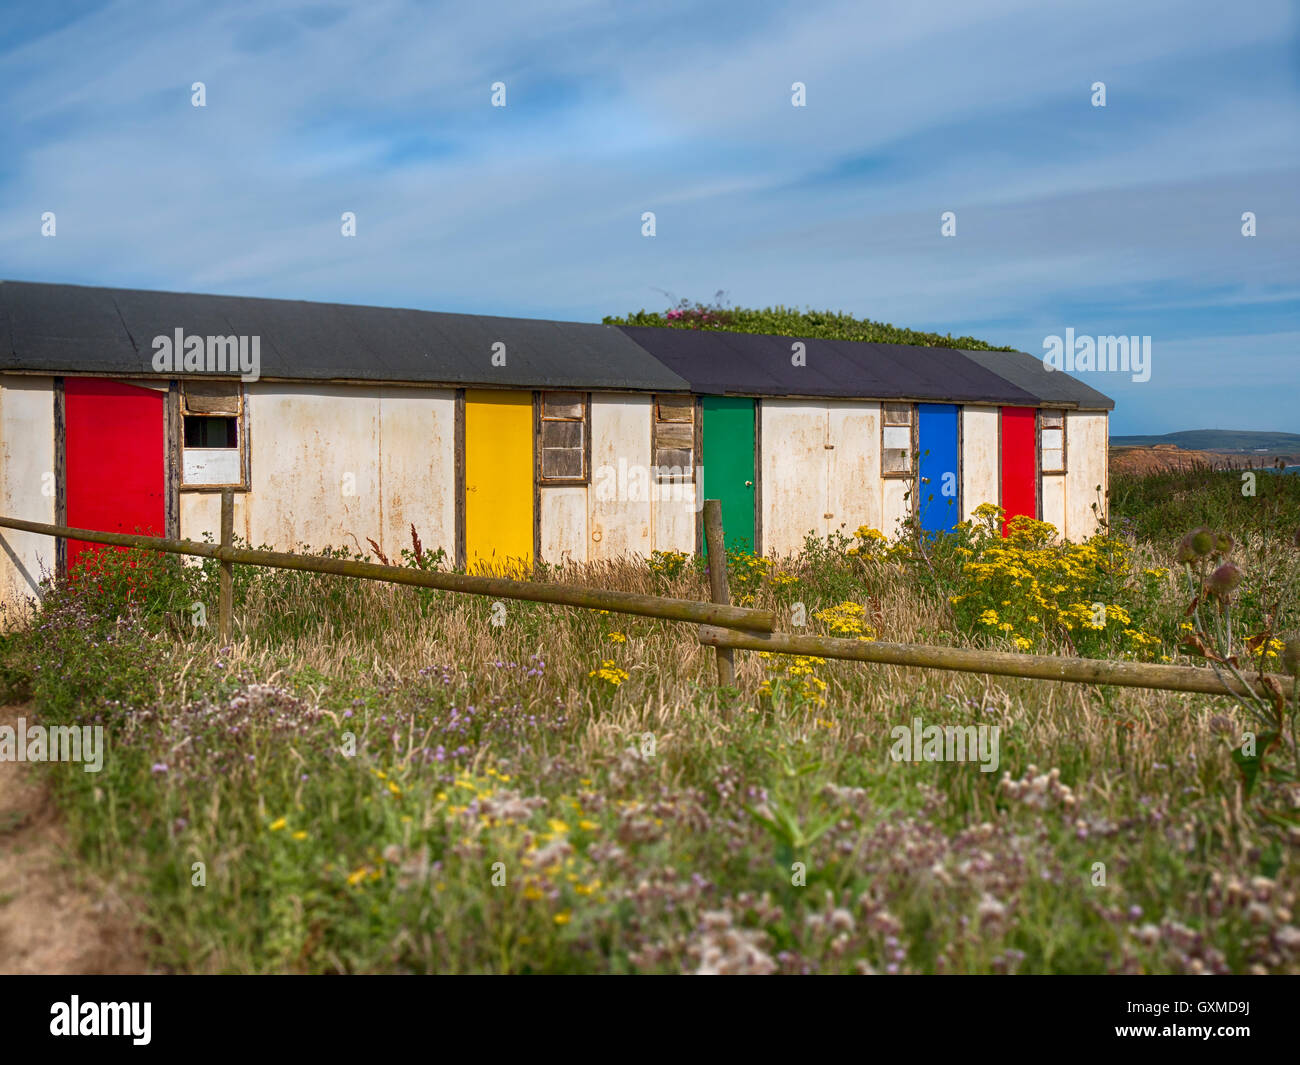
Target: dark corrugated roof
1050,386
757,365
56,329
72,328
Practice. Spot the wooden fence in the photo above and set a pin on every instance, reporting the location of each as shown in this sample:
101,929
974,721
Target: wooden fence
724,627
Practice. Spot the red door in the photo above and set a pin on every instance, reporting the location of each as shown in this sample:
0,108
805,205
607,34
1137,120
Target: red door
1019,464
113,451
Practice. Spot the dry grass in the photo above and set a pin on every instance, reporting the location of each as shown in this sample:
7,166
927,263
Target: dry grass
685,858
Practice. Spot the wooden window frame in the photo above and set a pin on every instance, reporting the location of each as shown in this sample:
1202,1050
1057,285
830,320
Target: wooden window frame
898,475
688,474
1040,427
541,419
242,446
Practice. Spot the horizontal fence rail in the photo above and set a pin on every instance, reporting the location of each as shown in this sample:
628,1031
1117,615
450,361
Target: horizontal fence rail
718,621
1001,663
653,606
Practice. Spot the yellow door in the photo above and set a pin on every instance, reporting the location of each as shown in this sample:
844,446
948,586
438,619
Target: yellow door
499,482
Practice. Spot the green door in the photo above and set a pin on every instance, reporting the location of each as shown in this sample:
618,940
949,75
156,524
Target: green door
729,465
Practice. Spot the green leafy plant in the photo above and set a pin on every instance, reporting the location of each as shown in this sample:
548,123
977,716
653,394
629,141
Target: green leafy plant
787,321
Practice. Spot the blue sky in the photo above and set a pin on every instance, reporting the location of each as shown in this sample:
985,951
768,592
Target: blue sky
1117,220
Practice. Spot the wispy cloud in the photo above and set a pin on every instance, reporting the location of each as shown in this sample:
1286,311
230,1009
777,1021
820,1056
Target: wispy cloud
1117,220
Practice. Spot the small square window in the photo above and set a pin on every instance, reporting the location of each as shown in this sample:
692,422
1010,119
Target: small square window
896,440
211,432
898,414
674,438
1051,441
562,447
212,435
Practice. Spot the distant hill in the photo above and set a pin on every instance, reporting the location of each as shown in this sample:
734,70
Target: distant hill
1224,441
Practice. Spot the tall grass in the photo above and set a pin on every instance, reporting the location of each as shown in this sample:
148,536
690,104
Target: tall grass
372,778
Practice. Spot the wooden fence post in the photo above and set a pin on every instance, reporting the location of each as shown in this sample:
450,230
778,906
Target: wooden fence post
719,591
226,600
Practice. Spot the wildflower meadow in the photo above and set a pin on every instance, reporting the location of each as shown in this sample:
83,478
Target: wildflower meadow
369,778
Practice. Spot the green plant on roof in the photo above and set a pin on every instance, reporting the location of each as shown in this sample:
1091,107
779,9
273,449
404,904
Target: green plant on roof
787,321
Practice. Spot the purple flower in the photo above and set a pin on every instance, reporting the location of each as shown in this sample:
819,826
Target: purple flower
159,767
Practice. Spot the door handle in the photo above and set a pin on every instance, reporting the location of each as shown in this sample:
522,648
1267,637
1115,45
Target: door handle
749,484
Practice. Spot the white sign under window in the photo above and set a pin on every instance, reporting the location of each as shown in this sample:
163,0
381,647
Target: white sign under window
212,465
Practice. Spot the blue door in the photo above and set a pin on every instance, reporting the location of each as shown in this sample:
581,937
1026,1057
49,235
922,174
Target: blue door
939,483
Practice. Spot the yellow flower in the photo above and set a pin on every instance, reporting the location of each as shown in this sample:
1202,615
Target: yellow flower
354,878
616,637
558,827
588,826
563,917
278,824
846,619
300,835
394,788
610,673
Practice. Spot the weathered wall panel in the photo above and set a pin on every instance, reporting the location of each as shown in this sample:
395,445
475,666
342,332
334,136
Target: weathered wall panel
621,520
26,484
564,523
1053,500
314,464
796,490
417,458
201,515
318,452
979,467
894,507
1086,441
674,517
853,467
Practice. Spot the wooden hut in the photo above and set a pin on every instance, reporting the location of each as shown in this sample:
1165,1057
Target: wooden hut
503,440
802,436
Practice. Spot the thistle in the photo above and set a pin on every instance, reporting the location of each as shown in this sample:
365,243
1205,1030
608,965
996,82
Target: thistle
1224,579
